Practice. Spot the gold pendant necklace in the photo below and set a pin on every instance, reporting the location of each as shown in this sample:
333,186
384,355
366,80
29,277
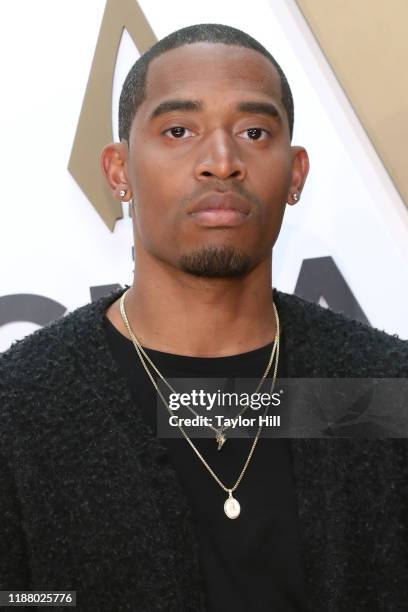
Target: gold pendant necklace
220,436
232,507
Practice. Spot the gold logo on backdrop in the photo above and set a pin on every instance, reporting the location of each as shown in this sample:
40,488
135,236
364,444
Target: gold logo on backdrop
366,44
94,128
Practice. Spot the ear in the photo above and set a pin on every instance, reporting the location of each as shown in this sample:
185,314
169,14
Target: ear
300,169
114,159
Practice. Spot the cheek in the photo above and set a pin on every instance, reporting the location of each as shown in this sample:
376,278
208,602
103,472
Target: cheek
271,179
155,199
272,175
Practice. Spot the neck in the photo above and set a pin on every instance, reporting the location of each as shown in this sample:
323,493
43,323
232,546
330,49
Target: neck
174,312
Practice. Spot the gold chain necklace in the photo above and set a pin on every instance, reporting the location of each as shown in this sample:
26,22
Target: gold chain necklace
232,507
219,432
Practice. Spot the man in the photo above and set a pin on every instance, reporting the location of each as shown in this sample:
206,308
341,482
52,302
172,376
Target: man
92,500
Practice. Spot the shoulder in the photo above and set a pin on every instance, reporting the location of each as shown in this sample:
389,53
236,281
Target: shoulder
42,349
52,355
48,378
51,382
339,344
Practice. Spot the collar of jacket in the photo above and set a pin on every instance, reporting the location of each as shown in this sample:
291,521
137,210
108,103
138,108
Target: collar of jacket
327,473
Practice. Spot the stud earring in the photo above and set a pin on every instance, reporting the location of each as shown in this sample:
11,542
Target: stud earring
122,193
296,196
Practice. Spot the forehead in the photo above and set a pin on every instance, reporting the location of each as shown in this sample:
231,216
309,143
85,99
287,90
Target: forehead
202,69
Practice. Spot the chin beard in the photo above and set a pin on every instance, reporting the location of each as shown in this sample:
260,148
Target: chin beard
216,262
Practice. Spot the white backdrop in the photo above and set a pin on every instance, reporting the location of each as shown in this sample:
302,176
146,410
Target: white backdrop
54,244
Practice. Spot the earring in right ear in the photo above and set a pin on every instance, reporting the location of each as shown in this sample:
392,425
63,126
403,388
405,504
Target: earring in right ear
296,196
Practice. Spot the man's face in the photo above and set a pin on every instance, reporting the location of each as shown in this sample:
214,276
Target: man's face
210,164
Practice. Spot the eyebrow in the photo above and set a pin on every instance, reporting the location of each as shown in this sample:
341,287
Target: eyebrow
260,108
176,105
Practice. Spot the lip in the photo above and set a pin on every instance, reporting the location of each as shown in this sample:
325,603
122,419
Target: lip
220,210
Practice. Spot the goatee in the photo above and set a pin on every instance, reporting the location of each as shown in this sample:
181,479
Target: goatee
216,262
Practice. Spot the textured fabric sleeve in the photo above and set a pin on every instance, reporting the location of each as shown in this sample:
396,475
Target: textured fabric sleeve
14,566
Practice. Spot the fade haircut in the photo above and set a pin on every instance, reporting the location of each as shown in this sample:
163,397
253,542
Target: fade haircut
134,88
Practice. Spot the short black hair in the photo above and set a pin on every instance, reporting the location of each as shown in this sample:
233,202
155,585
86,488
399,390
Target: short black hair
134,88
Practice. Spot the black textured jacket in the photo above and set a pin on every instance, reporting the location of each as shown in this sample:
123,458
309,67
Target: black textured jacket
87,502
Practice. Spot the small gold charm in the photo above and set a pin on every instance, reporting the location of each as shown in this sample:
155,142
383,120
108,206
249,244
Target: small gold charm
231,507
220,438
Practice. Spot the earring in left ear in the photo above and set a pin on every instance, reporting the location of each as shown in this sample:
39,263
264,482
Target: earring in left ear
122,193
296,196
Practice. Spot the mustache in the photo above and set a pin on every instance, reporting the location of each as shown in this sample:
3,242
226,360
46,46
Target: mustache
222,188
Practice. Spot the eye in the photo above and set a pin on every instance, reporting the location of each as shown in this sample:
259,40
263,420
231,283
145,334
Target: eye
177,132
255,134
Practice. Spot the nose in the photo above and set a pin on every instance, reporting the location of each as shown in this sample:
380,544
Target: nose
219,157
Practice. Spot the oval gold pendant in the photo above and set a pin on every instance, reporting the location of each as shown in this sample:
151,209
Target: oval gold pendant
231,507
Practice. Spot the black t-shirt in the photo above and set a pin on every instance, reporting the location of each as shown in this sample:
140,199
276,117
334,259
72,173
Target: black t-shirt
252,563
